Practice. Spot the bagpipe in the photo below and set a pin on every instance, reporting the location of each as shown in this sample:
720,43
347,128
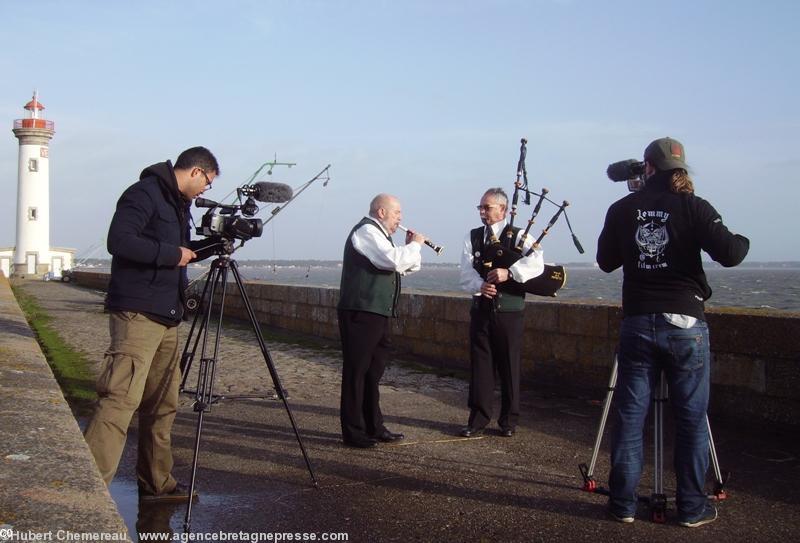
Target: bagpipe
504,253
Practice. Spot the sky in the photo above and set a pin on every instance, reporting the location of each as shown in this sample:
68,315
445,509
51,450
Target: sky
426,100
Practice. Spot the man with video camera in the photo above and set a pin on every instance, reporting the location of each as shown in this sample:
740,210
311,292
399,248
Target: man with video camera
657,234
150,247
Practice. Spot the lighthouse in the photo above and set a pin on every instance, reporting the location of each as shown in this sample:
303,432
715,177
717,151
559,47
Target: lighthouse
32,255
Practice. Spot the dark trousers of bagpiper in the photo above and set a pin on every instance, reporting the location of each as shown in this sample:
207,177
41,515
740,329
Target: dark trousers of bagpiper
495,345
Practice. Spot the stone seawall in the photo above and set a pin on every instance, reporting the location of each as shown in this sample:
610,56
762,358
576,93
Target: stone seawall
568,345
50,488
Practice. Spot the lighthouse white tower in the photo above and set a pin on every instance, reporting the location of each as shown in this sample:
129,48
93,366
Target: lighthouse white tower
32,250
32,254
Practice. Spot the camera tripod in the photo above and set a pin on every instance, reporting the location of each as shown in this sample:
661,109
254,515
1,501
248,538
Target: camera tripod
658,499
204,393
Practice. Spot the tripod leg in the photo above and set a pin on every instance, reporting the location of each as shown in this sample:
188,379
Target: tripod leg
276,381
589,482
204,395
658,500
187,357
719,487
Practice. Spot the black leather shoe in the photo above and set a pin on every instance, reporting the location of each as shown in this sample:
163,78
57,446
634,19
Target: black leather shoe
507,432
387,437
470,431
361,443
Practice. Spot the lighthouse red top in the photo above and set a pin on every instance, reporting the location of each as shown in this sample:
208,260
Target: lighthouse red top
34,104
34,121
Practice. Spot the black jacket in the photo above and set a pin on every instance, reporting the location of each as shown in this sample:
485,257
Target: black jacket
150,225
656,236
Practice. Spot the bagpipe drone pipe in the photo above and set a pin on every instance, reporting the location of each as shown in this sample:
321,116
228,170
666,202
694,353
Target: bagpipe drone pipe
503,253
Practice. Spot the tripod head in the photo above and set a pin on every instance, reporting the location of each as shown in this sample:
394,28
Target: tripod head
213,246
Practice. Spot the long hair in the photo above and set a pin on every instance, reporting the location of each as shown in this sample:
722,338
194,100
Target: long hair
681,182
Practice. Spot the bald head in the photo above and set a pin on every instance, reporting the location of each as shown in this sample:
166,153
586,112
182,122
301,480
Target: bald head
385,208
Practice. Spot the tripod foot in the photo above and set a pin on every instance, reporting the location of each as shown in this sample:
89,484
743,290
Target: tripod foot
719,494
719,488
658,508
589,484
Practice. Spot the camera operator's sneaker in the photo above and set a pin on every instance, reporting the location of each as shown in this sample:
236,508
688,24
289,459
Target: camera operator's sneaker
708,516
179,494
626,519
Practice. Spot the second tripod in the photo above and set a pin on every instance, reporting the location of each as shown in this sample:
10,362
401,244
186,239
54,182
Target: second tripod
204,393
658,499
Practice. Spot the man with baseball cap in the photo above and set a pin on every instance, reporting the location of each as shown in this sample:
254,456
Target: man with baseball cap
666,154
656,235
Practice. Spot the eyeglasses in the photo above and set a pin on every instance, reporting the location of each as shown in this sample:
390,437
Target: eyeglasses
208,181
487,207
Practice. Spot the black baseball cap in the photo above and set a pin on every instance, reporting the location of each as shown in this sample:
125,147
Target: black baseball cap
666,154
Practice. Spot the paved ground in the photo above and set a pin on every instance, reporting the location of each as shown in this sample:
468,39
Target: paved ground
431,487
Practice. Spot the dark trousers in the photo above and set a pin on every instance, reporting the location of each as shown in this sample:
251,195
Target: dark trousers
365,342
495,344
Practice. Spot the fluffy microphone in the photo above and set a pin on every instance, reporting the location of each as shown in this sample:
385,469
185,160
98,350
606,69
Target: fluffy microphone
625,169
273,193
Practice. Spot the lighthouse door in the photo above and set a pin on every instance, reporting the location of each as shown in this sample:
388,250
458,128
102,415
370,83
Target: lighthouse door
57,266
30,261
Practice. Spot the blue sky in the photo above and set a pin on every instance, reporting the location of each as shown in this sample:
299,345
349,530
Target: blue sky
423,99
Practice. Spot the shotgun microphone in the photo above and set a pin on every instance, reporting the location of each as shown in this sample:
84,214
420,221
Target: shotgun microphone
265,191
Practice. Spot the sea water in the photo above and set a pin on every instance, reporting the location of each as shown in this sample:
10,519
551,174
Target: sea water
769,286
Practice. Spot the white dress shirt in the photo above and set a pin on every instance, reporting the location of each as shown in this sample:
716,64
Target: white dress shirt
370,240
523,269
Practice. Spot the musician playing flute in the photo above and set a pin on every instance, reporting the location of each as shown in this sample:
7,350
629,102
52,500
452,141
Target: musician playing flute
370,288
496,316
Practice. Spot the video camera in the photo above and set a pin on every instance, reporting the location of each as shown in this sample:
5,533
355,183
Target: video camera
223,219
630,170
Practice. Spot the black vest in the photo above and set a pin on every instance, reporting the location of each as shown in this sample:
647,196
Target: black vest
363,286
510,294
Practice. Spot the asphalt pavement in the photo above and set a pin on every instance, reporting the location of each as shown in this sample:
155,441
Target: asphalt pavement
433,485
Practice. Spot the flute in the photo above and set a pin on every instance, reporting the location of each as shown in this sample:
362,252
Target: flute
429,243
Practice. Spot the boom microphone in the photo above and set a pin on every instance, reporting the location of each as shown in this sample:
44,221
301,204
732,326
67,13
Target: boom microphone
273,193
625,169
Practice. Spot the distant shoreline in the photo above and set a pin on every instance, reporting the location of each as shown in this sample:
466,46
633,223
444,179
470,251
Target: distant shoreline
789,264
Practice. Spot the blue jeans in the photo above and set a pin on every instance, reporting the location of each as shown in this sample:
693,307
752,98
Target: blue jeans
648,345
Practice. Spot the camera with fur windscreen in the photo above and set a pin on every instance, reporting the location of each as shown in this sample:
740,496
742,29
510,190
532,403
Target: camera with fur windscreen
235,221
631,171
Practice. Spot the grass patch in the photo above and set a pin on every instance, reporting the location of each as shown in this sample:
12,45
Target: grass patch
69,366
